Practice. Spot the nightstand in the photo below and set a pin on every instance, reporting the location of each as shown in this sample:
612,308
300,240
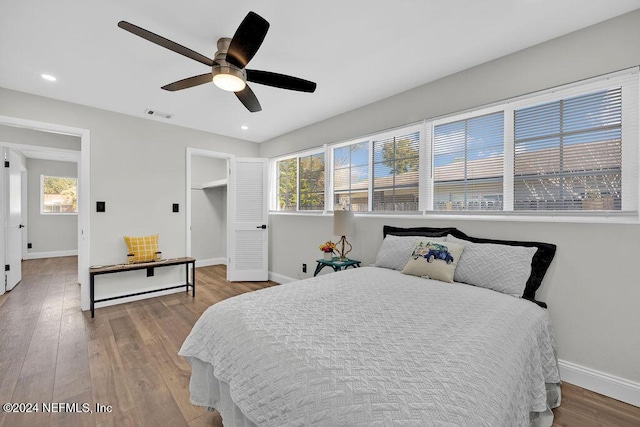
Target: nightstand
336,264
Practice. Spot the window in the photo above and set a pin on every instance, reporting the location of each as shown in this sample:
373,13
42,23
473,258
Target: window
381,174
396,162
351,176
468,160
300,182
311,191
59,195
568,154
562,150
567,151
287,179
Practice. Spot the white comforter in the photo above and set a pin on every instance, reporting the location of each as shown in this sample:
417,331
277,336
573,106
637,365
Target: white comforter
373,347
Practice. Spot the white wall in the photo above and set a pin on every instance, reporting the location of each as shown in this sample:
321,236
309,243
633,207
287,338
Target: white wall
208,209
206,169
138,168
23,159
49,233
38,138
593,299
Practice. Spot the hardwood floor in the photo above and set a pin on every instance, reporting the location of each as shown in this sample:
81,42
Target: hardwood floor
126,356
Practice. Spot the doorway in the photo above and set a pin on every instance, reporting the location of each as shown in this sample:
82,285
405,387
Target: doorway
83,191
207,177
245,180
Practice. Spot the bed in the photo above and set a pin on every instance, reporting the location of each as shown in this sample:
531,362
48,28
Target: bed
375,347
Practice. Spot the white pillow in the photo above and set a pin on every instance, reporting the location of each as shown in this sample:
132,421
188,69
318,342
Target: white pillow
395,251
501,268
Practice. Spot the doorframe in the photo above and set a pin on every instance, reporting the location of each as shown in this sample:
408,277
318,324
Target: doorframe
190,152
24,210
84,193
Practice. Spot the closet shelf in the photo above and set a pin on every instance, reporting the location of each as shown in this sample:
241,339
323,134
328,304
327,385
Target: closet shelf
215,184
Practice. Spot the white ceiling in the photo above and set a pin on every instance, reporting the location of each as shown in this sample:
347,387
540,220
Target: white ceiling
358,51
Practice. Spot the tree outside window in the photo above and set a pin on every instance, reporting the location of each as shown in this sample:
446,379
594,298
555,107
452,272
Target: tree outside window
396,162
59,195
351,176
287,175
311,191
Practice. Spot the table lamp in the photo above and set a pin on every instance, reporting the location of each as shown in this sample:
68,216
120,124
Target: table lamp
343,225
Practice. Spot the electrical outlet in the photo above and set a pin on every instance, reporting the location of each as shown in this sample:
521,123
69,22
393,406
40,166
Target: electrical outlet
304,268
29,246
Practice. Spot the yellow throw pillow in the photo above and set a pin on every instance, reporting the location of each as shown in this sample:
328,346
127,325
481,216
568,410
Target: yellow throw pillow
143,248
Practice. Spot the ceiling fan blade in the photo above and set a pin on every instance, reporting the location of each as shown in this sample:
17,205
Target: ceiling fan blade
248,99
247,40
280,80
166,43
189,82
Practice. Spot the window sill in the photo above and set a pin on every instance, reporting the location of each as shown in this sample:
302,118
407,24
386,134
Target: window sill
626,218
299,213
58,213
620,218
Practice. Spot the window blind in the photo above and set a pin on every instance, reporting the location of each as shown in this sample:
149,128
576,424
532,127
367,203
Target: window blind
568,154
396,161
468,160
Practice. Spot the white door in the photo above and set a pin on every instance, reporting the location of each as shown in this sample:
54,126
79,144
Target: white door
248,235
13,229
3,214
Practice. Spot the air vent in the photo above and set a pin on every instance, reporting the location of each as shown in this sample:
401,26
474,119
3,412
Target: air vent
158,113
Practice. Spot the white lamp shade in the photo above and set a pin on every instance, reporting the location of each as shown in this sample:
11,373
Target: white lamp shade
343,223
229,82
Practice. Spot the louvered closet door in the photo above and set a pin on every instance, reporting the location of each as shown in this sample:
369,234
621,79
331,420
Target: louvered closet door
248,217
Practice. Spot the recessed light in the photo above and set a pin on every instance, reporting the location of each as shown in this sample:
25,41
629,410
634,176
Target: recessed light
244,127
48,77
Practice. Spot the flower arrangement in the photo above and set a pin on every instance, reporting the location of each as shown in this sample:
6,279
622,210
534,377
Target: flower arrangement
328,246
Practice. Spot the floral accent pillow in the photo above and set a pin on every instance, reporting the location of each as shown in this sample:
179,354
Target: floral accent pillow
434,259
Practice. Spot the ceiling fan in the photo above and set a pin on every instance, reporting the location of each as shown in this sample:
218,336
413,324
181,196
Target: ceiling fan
228,70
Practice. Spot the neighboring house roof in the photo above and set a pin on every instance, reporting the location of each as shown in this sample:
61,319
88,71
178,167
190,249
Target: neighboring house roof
601,155
56,199
593,156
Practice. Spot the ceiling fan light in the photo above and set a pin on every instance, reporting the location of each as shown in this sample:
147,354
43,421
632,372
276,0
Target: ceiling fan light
229,82
229,79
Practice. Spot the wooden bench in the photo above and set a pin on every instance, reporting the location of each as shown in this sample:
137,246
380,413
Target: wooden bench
149,266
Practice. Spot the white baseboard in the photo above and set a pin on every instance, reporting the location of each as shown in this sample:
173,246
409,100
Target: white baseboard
279,278
140,297
600,382
53,254
210,261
